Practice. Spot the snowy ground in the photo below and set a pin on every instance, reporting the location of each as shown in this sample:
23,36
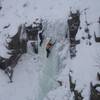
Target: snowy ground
35,75
25,83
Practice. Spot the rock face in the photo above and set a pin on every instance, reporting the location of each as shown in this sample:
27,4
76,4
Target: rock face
18,45
77,94
73,25
95,93
14,47
33,32
97,38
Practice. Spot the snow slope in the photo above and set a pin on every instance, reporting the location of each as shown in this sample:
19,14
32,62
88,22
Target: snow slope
35,75
25,80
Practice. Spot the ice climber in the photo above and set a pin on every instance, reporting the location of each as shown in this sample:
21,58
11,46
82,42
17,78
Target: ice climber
49,46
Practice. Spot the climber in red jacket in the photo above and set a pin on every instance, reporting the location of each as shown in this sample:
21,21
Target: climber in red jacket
49,46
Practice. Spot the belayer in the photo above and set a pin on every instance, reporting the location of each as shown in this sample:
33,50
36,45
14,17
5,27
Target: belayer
49,46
